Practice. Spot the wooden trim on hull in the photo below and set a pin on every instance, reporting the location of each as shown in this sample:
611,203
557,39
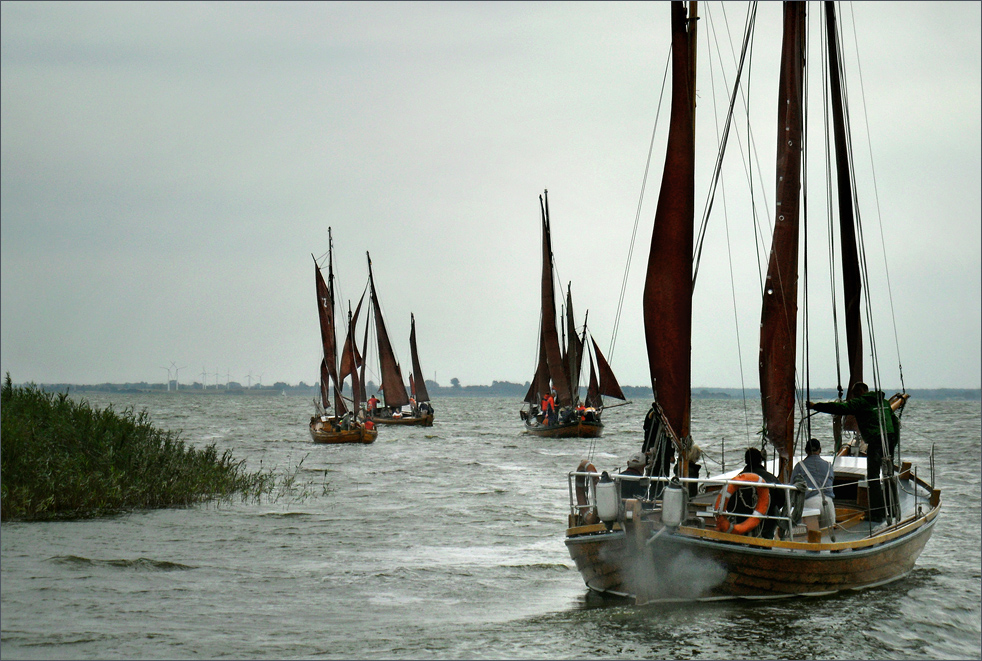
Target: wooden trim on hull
424,421
328,436
579,429
683,566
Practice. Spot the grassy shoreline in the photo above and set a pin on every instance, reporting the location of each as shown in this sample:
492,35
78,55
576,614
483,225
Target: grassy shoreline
62,458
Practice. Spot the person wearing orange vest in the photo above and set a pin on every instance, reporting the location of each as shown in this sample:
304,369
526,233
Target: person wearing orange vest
548,409
581,411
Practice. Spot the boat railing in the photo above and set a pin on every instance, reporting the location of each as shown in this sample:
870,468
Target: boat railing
579,480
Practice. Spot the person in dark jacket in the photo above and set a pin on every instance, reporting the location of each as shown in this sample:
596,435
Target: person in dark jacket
658,446
635,466
755,461
879,427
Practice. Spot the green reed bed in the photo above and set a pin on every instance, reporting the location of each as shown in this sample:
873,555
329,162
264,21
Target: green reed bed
60,458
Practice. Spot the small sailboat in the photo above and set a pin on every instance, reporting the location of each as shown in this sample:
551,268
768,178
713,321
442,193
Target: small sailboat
344,425
678,536
552,405
396,406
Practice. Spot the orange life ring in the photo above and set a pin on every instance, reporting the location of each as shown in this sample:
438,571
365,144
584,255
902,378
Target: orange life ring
585,466
763,502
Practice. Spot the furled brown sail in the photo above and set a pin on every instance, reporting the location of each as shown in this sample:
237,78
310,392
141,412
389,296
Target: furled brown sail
851,280
778,325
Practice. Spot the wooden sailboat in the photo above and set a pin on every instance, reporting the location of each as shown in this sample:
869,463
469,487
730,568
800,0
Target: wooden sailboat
397,407
669,544
558,370
344,425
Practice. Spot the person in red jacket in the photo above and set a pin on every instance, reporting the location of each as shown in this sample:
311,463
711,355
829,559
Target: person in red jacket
548,409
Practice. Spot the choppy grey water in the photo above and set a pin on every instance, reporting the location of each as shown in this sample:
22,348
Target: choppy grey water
446,542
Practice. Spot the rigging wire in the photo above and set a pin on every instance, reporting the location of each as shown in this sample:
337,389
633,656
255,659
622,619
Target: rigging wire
876,198
831,232
863,261
637,215
697,257
806,310
726,226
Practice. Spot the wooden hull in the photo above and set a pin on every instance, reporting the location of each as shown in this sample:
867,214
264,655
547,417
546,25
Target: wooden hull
322,432
640,558
578,429
420,421
693,564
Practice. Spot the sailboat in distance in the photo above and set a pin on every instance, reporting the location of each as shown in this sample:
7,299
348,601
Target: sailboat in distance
344,425
668,534
552,405
396,407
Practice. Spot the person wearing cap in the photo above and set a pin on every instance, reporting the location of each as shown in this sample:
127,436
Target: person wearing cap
635,466
818,475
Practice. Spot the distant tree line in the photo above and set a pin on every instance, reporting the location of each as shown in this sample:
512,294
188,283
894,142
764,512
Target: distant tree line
496,389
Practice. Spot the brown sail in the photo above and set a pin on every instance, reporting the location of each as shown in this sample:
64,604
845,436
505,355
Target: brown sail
593,398
668,284
393,387
778,324
608,385
574,349
351,359
339,427
325,309
550,334
851,280
325,386
420,384
540,382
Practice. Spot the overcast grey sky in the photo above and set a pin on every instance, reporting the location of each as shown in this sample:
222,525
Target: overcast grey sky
168,169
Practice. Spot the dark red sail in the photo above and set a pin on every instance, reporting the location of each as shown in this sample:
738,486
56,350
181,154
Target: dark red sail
325,311
778,325
393,387
550,334
593,398
668,284
574,349
851,281
420,383
608,382
351,360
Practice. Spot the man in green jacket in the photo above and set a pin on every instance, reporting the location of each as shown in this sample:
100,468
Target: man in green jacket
879,427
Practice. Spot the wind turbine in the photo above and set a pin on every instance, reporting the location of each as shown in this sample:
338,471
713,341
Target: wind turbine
168,377
204,376
177,378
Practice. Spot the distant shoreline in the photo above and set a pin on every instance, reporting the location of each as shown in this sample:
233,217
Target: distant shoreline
502,389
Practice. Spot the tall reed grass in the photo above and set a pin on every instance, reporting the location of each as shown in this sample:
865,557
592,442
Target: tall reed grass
62,458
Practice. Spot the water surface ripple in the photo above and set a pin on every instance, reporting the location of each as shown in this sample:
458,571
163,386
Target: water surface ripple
446,542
